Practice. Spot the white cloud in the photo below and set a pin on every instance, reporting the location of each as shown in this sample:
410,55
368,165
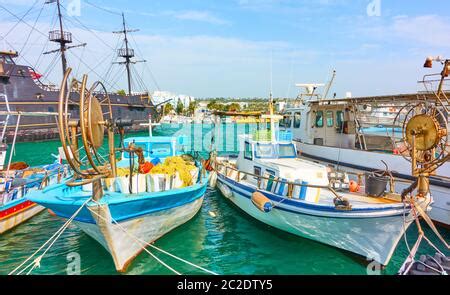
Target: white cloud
430,30
200,16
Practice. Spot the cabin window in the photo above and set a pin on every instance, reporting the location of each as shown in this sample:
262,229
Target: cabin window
264,151
257,171
6,59
330,119
339,120
297,120
248,153
319,119
286,122
286,151
161,149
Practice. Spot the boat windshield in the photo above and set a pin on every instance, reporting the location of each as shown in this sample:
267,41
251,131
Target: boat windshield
273,151
286,150
265,151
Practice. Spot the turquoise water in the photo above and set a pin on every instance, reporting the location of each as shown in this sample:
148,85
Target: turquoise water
220,238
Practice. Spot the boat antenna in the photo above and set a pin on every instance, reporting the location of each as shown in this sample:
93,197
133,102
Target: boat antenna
127,53
327,89
62,37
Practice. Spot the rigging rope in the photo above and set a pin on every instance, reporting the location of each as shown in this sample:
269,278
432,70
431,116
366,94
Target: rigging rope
15,16
51,240
31,31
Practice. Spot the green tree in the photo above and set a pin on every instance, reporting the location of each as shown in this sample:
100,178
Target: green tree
191,108
180,107
233,107
121,92
168,107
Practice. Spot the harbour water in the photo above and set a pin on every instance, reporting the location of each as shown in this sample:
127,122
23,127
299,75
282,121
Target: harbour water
220,238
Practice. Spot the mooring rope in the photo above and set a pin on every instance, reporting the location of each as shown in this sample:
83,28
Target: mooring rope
36,262
407,265
144,243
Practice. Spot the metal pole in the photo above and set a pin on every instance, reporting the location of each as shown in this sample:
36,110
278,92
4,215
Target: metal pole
127,57
62,43
13,147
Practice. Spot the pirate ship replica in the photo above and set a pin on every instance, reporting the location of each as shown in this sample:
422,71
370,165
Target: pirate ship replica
22,87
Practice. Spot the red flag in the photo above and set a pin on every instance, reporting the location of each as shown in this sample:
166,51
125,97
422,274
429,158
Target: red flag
35,75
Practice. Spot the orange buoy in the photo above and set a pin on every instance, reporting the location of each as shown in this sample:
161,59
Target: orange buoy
353,186
51,212
261,202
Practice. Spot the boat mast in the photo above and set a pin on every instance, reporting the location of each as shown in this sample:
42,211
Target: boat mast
329,85
62,37
127,53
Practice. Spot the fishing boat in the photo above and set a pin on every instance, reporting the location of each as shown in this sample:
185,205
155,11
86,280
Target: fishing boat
268,182
361,134
28,90
19,180
123,204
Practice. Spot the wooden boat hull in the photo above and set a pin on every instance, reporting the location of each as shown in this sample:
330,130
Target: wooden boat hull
118,240
18,214
373,235
123,223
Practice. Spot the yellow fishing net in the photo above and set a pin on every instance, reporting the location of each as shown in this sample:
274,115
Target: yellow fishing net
175,164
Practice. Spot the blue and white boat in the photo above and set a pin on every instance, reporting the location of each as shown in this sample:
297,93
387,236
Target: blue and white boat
126,218
269,182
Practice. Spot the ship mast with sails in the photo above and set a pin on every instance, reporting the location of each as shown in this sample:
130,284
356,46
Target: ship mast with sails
62,37
127,53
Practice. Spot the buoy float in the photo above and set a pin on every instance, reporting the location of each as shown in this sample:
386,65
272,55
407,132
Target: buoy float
225,190
261,202
51,213
353,186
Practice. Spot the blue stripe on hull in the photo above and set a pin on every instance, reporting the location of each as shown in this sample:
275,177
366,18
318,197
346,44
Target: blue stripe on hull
64,201
301,205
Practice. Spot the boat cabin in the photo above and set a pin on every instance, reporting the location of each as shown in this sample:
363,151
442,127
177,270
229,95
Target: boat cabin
342,124
153,147
6,58
277,160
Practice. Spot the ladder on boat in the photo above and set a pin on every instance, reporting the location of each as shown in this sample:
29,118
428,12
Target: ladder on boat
360,135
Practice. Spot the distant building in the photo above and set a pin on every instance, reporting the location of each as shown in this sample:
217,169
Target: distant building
162,96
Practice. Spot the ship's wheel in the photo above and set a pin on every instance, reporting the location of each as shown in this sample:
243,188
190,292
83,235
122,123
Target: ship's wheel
423,135
90,160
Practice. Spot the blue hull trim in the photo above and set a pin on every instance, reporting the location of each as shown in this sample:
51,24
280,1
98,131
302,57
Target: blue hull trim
249,190
64,201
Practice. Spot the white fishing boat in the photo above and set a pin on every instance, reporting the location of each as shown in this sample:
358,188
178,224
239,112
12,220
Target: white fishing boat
357,134
269,182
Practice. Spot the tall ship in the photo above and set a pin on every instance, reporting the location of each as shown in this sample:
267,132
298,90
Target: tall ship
22,88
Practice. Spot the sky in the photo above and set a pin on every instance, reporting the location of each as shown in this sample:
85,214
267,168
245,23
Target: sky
240,48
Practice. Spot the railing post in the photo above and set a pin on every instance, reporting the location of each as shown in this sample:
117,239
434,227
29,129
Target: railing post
290,190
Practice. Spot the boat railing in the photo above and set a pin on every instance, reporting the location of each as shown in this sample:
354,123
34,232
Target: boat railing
260,178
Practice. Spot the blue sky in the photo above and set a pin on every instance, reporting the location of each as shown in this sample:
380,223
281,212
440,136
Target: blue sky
224,48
